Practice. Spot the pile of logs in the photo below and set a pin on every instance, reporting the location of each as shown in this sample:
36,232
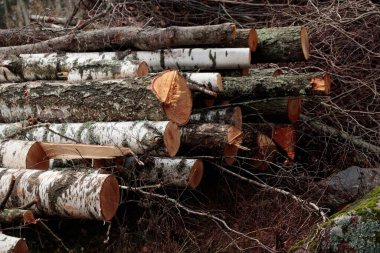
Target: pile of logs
152,112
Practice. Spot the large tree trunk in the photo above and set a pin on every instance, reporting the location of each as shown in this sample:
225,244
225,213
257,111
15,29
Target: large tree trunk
160,138
231,116
211,139
22,36
10,244
282,44
63,193
281,110
194,58
260,86
132,37
174,172
168,98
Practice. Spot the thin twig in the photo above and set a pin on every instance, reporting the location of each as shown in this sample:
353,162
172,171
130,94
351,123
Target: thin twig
94,18
214,218
9,192
197,87
274,189
30,204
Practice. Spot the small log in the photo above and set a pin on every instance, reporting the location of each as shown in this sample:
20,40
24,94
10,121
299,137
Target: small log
194,58
262,150
54,20
175,172
246,38
211,139
64,193
17,215
160,138
167,98
282,44
231,116
148,38
263,86
10,244
281,110
211,81
23,155
108,70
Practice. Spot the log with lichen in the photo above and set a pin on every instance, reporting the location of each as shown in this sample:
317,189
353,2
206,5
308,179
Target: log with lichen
63,193
15,215
166,97
282,44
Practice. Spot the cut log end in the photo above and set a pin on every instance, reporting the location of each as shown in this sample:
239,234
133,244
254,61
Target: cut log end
294,109
21,247
234,139
109,198
277,72
237,118
265,154
196,174
142,69
28,217
305,42
219,82
37,158
245,72
253,40
233,32
172,137
322,84
285,137
172,90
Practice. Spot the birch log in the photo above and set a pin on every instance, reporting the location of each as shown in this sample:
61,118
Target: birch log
211,139
260,86
175,172
54,20
108,70
211,81
148,38
160,138
282,44
280,110
167,98
10,244
194,58
23,155
231,116
63,193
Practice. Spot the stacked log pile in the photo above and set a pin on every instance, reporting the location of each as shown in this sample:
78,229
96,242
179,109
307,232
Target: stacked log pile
71,105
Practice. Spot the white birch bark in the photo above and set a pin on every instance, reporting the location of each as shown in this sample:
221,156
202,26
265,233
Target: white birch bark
175,171
22,154
153,137
10,244
231,116
63,193
211,81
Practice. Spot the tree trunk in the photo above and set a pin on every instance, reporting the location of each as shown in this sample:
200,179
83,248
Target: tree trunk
63,193
17,216
231,116
10,244
168,98
108,70
160,138
23,155
211,81
22,36
194,58
131,37
282,44
246,38
280,110
260,86
174,172
211,139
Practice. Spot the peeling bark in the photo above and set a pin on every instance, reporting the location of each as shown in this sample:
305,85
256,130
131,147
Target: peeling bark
63,193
